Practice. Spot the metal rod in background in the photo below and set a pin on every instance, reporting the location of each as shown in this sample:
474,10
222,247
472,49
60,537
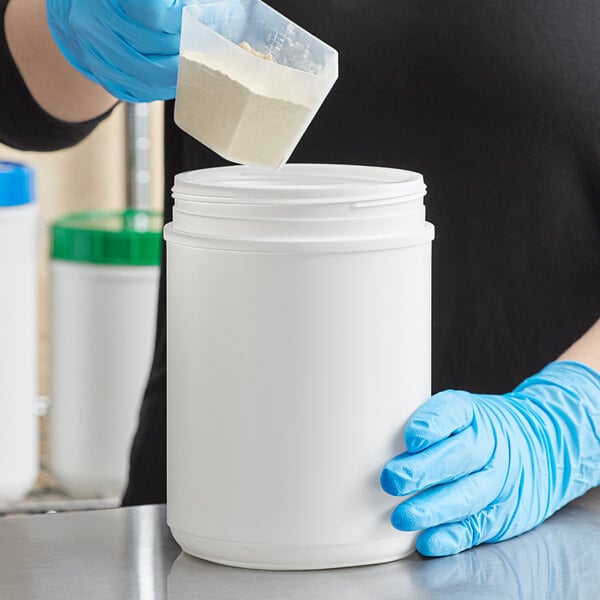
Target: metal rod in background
137,147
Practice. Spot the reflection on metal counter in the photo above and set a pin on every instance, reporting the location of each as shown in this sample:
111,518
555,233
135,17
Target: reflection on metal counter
394,580
128,554
557,561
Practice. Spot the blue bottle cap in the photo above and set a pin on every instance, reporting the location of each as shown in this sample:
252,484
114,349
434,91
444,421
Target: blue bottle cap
16,184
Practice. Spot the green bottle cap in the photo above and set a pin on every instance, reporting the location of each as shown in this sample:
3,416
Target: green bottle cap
130,237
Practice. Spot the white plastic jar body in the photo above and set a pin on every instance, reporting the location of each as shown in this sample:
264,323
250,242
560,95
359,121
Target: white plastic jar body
19,463
102,336
298,346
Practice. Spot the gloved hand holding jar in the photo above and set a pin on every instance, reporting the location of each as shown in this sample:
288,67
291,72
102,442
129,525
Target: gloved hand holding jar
486,468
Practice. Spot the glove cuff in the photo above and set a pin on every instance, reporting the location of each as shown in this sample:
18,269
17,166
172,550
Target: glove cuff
574,377
566,399
57,15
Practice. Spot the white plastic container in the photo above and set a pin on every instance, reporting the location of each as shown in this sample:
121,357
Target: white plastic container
298,345
104,289
250,81
18,333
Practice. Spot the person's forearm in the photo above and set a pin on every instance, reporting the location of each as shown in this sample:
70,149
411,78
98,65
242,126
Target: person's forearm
56,86
586,350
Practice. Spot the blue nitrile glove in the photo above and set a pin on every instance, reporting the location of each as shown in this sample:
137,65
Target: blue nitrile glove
130,47
487,468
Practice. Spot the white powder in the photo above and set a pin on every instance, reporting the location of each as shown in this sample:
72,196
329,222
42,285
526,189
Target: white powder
248,48
233,119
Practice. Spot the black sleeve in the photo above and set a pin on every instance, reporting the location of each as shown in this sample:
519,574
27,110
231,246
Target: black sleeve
24,125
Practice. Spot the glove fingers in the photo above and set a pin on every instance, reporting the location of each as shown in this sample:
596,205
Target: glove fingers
121,28
159,15
441,416
447,503
146,41
155,76
446,461
137,89
453,538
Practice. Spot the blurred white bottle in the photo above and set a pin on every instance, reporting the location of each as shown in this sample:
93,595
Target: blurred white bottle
18,332
103,297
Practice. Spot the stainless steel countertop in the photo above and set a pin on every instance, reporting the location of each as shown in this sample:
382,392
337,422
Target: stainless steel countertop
127,553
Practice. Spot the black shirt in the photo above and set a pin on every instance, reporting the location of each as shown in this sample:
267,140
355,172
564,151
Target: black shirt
498,105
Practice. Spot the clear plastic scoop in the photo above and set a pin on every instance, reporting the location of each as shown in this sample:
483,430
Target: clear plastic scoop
250,80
